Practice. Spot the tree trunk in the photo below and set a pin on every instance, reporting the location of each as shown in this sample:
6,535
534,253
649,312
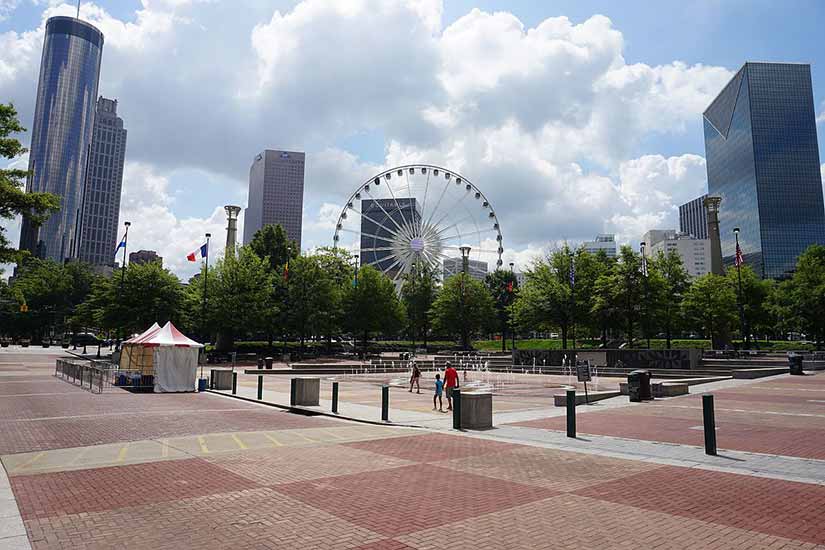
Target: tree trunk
667,332
504,336
564,337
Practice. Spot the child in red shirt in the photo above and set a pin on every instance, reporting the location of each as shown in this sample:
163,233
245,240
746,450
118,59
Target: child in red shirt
450,382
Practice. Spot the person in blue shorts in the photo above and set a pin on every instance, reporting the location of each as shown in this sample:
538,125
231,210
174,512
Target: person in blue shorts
439,388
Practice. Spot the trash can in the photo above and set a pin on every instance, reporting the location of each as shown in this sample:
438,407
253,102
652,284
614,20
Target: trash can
638,386
260,362
201,384
795,361
268,362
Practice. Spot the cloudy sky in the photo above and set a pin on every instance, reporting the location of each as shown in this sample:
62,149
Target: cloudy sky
574,117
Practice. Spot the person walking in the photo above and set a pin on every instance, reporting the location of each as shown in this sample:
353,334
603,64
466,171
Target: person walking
415,378
450,382
439,386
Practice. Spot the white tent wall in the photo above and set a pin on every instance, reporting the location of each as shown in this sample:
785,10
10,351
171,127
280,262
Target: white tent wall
175,368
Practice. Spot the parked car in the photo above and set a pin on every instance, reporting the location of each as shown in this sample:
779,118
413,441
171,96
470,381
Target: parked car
85,339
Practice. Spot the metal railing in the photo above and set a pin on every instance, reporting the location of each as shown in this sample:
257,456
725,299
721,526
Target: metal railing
101,376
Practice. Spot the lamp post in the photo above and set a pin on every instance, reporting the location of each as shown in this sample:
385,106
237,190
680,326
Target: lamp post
573,303
510,303
123,279
642,246
465,266
739,298
412,292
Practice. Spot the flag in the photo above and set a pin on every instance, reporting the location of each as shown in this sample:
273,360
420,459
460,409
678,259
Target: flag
644,265
510,287
203,250
121,244
286,271
740,260
572,272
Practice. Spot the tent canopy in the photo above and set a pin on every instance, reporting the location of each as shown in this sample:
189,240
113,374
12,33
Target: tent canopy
168,335
145,334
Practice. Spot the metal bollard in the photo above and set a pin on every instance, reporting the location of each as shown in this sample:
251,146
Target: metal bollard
234,383
335,397
260,387
456,408
385,403
571,413
710,424
293,391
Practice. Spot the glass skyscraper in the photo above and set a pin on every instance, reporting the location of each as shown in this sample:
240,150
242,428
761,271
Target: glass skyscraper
104,181
763,161
62,133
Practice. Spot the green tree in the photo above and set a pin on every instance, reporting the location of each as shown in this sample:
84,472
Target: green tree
503,287
13,200
271,243
756,293
312,298
463,308
807,293
676,281
589,267
709,305
619,293
418,292
545,302
337,264
371,306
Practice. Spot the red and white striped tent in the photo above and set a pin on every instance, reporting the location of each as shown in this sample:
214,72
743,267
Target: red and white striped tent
166,354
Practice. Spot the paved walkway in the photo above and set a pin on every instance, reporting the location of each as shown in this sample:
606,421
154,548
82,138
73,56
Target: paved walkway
122,470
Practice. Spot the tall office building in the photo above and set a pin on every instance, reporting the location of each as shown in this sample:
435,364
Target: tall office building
62,133
476,269
693,218
104,180
276,194
603,241
763,161
694,252
379,219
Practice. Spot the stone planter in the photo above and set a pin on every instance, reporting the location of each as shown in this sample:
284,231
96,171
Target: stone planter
305,391
476,410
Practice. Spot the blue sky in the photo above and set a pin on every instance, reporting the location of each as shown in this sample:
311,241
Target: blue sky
605,109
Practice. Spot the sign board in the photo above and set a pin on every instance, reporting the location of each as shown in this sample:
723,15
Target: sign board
583,373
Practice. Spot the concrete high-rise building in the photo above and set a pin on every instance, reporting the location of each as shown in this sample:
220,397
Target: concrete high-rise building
144,257
695,253
62,133
693,218
379,219
104,182
603,241
276,194
475,268
763,161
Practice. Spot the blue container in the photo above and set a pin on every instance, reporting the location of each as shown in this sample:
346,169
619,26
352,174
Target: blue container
202,384
121,380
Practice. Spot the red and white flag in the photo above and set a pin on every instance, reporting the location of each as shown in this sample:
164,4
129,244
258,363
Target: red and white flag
740,260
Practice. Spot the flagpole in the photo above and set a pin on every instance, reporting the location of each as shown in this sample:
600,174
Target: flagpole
647,292
123,280
746,338
205,280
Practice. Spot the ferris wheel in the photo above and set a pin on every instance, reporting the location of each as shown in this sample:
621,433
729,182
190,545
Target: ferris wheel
420,215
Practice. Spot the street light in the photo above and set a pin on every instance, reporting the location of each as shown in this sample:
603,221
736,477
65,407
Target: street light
572,275
465,265
738,262
412,293
123,279
642,246
509,303
205,280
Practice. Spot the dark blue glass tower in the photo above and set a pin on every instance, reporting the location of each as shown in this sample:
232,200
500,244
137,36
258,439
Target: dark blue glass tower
62,133
763,160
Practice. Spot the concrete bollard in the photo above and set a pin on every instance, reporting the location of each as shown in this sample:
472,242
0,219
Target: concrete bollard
234,383
571,413
292,392
260,387
385,403
335,397
709,424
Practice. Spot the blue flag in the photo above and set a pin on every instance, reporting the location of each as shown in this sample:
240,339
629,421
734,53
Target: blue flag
205,250
120,245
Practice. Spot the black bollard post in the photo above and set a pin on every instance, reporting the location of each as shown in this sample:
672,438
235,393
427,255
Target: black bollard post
260,387
571,413
293,391
456,408
234,383
335,397
385,403
710,424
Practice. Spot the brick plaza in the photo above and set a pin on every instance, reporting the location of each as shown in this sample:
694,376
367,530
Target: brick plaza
122,470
